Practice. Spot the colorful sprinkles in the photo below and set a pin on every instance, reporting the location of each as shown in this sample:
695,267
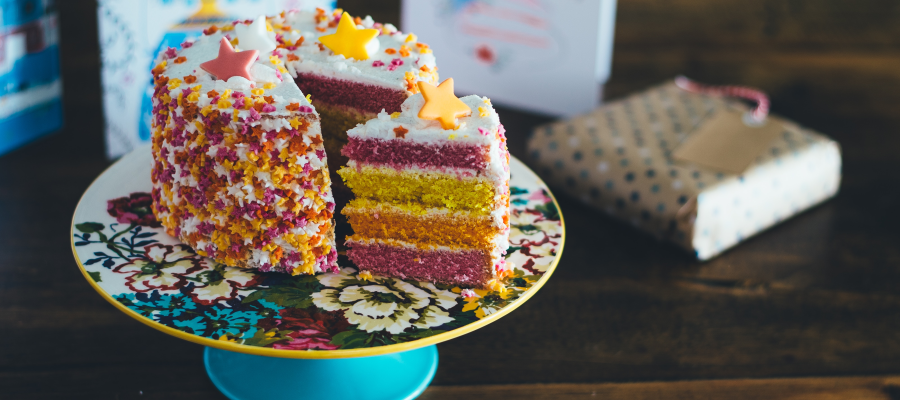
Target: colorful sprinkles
239,180
240,172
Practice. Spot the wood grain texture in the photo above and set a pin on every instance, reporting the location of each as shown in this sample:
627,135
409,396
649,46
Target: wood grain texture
816,296
858,388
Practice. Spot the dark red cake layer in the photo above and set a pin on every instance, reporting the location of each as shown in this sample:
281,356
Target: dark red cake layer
468,268
402,153
361,96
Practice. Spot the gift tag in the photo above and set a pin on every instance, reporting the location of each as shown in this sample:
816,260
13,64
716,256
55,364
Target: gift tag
728,141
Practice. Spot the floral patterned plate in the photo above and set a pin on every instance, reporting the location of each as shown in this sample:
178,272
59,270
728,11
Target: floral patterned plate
130,260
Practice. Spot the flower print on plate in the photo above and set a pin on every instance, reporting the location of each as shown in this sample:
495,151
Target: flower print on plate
132,261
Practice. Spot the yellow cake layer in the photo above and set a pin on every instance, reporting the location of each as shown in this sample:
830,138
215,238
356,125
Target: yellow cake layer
417,225
430,189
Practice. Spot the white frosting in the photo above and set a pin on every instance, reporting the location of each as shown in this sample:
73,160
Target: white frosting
326,63
263,72
471,129
255,36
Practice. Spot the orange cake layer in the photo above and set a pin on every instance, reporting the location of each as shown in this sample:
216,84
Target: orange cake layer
434,228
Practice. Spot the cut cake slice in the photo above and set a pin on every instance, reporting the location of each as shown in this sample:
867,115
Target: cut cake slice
432,204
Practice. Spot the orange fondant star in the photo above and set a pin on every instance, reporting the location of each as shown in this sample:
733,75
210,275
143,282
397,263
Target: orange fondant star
230,63
400,132
348,40
441,104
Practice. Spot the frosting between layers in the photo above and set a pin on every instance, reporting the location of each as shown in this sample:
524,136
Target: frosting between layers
498,218
406,185
482,128
470,231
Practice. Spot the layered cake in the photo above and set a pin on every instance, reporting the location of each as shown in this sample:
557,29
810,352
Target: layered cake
432,190
239,167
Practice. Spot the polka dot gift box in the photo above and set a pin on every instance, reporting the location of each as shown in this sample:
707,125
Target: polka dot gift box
619,158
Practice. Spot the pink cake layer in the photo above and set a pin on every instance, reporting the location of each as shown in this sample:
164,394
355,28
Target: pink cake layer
352,94
468,268
402,153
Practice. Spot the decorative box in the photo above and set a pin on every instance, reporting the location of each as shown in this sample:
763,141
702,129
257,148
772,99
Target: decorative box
618,159
30,84
562,49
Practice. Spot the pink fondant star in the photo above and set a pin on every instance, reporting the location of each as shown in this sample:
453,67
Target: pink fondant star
230,63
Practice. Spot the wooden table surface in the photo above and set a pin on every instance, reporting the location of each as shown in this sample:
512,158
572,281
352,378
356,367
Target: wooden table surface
808,309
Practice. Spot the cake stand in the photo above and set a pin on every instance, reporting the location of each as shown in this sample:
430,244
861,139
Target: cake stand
271,335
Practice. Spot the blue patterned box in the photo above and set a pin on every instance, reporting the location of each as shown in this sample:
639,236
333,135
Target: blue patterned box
30,85
618,159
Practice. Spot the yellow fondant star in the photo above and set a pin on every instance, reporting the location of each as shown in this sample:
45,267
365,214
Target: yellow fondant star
350,41
441,104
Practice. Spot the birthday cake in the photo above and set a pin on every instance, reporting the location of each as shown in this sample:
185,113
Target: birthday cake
240,168
432,190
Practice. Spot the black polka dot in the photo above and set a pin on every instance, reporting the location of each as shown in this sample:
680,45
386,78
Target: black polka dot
645,215
595,193
577,156
673,173
620,203
651,173
635,196
629,176
570,181
682,199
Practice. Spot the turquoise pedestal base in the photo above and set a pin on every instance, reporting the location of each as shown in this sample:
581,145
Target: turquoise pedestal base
393,376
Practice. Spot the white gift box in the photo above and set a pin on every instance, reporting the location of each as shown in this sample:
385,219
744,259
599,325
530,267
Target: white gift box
545,56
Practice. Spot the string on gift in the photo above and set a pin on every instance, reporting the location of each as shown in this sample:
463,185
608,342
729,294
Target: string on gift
762,101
